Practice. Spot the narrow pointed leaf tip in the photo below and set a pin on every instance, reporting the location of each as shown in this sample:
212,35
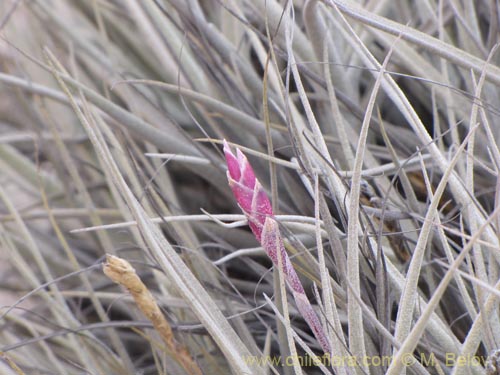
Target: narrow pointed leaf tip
256,206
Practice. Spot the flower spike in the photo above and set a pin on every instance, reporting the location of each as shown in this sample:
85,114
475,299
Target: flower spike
247,190
256,206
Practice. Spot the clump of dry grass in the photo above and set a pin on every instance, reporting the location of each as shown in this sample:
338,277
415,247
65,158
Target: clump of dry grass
372,127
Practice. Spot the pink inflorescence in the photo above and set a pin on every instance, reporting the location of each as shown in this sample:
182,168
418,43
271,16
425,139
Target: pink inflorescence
256,206
247,190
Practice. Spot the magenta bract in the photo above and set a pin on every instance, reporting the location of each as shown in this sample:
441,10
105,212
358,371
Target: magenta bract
247,190
256,206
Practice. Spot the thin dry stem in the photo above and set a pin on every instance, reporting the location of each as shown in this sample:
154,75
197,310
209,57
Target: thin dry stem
122,272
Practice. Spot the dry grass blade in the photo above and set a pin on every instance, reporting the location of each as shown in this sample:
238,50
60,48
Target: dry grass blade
169,261
11,364
372,129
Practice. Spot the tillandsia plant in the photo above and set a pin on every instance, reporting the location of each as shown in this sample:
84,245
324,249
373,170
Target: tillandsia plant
256,206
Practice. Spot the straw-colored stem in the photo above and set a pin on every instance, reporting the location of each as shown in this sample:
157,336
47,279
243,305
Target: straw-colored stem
122,272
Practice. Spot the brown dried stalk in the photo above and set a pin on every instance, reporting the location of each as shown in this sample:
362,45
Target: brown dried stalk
11,363
121,272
